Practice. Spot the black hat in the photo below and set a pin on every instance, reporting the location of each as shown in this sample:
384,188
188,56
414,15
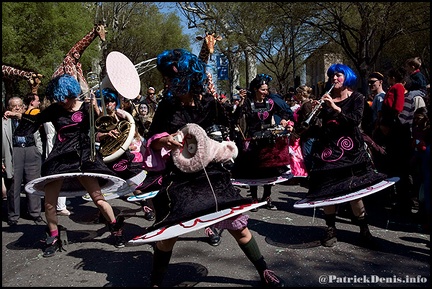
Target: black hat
377,75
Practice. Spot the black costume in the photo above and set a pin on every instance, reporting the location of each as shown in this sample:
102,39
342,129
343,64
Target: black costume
71,149
261,155
184,196
341,164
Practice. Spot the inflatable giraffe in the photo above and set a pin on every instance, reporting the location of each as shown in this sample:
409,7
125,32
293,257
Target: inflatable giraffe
33,78
71,64
206,50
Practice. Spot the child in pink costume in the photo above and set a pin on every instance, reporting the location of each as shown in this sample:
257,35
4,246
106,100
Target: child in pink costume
297,165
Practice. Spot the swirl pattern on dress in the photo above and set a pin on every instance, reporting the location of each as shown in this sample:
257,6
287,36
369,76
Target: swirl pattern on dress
344,143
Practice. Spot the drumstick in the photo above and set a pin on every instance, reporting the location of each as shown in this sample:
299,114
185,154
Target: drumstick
237,126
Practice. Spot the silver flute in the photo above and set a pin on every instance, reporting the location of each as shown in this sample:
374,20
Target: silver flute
316,109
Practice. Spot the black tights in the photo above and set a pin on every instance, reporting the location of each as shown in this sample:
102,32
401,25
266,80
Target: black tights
266,194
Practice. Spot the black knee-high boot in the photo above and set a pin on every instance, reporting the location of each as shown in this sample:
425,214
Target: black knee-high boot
253,253
161,261
366,238
254,195
330,238
254,192
267,192
266,197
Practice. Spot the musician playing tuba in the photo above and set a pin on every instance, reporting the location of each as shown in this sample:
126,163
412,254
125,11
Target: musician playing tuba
113,130
114,127
68,169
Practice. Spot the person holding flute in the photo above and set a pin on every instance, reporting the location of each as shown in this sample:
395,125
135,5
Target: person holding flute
340,162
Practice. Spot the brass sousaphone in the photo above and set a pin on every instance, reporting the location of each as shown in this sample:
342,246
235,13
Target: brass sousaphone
121,76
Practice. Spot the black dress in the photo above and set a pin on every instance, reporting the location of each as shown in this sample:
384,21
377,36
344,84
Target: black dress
341,164
184,196
71,149
263,153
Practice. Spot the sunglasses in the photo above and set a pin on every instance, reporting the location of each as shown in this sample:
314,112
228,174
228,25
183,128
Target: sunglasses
371,82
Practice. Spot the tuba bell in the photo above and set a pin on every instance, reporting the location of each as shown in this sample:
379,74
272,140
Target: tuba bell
113,147
105,123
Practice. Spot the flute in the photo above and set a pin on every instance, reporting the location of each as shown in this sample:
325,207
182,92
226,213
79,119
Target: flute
316,109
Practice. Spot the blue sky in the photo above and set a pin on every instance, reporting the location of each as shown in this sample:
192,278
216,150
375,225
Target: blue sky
168,7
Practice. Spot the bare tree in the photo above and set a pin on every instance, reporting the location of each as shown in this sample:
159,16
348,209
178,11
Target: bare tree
284,37
363,29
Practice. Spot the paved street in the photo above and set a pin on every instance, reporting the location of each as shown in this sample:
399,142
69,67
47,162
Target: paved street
287,238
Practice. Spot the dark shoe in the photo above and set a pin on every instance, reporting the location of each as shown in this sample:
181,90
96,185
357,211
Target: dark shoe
366,240
117,232
53,244
213,235
254,201
12,223
149,215
271,280
330,238
39,220
269,205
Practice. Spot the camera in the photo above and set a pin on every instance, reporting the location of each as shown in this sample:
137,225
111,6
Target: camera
178,138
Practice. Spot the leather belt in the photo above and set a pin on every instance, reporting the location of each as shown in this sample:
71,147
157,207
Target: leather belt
24,145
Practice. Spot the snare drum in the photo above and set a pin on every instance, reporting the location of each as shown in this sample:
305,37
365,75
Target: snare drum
278,130
262,158
267,149
218,132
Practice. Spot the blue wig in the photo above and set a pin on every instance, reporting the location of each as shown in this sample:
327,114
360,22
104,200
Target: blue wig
185,70
62,87
109,95
350,76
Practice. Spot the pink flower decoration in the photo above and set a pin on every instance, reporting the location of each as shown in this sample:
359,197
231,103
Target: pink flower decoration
77,116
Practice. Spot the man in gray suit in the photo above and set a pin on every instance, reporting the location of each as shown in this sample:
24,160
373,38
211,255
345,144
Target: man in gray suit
21,160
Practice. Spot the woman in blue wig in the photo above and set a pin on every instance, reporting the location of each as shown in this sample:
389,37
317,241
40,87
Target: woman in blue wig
187,195
71,154
340,162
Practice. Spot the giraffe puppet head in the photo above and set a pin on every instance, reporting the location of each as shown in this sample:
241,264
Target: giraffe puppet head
100,30
208,46
34,81
32,78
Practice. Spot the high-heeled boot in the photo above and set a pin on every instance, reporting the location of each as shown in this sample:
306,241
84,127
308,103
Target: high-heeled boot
330,238
366,239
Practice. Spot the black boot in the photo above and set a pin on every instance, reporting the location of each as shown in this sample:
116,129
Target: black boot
161,261
254,195
266,197
330,238
366,239
116,230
